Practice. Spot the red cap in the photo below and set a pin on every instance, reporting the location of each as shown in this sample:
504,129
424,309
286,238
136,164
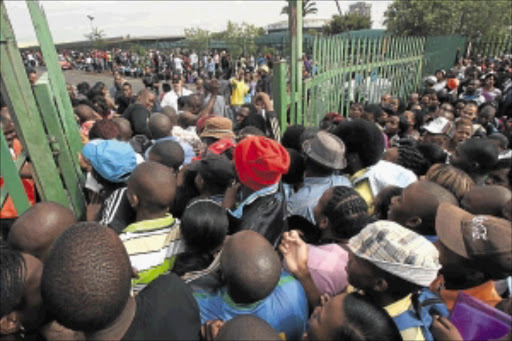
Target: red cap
221,146
452,83
201,123
260,162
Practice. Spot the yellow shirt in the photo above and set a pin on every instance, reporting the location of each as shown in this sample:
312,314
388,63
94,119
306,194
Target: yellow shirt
398,307
238,92
363,188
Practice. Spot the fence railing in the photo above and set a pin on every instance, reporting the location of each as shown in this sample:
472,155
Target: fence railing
495,47
44,121
355,70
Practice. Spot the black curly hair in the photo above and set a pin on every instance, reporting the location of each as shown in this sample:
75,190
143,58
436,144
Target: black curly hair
411,158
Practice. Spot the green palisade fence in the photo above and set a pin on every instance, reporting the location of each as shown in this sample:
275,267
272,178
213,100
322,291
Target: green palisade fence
44,121
357,70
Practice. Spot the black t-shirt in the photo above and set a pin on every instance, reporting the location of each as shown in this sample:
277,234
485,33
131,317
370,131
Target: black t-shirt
166,310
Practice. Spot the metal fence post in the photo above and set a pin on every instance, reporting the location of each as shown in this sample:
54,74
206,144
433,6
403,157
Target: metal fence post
280,93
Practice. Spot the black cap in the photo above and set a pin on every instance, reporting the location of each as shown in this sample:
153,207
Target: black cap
215,169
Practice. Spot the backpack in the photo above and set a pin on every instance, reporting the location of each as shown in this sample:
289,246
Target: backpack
425,305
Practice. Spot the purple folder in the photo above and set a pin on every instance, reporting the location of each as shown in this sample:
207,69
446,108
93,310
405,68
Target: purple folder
476,320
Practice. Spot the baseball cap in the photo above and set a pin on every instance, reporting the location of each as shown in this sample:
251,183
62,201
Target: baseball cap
485,239
113,160
216,169
439,125
397,250
431,80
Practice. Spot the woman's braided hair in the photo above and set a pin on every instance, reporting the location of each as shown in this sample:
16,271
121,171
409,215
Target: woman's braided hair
347,212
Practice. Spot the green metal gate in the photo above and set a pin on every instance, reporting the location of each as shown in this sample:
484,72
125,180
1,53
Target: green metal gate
351,70
44,121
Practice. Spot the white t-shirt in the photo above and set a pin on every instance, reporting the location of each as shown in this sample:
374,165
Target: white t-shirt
178,64
171,98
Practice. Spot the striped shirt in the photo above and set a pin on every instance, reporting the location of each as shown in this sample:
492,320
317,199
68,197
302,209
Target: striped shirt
152,246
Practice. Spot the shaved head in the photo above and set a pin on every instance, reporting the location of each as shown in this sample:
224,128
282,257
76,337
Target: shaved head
154,185
125,128
250,266
35,230
86,113
247,327
488,200
416,208
160,126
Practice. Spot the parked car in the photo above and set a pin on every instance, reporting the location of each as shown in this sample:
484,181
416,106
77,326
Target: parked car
64,64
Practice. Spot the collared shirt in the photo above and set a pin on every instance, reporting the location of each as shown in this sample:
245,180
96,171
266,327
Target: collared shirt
188,136
370,181
238,213
152,246
304,201
397,308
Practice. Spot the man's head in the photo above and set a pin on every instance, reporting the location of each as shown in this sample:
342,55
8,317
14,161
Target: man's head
388,258
488,200
260,162
215,173
32,76
438,131
244,111
250,266
363,141
501,174
413,98
151,187
463,131
475,156
146,98
470,111
500,140
247,327
86,113
356,110
105,130
486,115
416,207
86,288
127,90
125,128
176,82
472,86
160,126
20,280
168,153
341,213
37,228
325,154
374,113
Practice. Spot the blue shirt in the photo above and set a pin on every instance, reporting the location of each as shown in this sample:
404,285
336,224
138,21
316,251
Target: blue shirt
304,201
285,309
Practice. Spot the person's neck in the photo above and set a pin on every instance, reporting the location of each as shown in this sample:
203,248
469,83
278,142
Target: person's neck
462,282
144,214
383,299
488,87
120,326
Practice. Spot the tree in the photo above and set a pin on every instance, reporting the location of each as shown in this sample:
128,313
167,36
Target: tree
470,18
347,22
197,38
240,38
308,7
95,34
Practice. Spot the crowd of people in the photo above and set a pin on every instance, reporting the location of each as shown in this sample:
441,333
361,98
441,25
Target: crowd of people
204,221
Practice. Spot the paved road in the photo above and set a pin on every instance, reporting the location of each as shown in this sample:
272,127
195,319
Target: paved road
77,76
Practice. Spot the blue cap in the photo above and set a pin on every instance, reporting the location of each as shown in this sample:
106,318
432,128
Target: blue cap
113,160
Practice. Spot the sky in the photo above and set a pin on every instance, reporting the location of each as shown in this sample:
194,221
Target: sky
68,19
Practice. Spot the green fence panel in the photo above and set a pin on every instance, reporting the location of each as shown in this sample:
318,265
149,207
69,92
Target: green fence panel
11,179
21,103
441,52
49,112
57,80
